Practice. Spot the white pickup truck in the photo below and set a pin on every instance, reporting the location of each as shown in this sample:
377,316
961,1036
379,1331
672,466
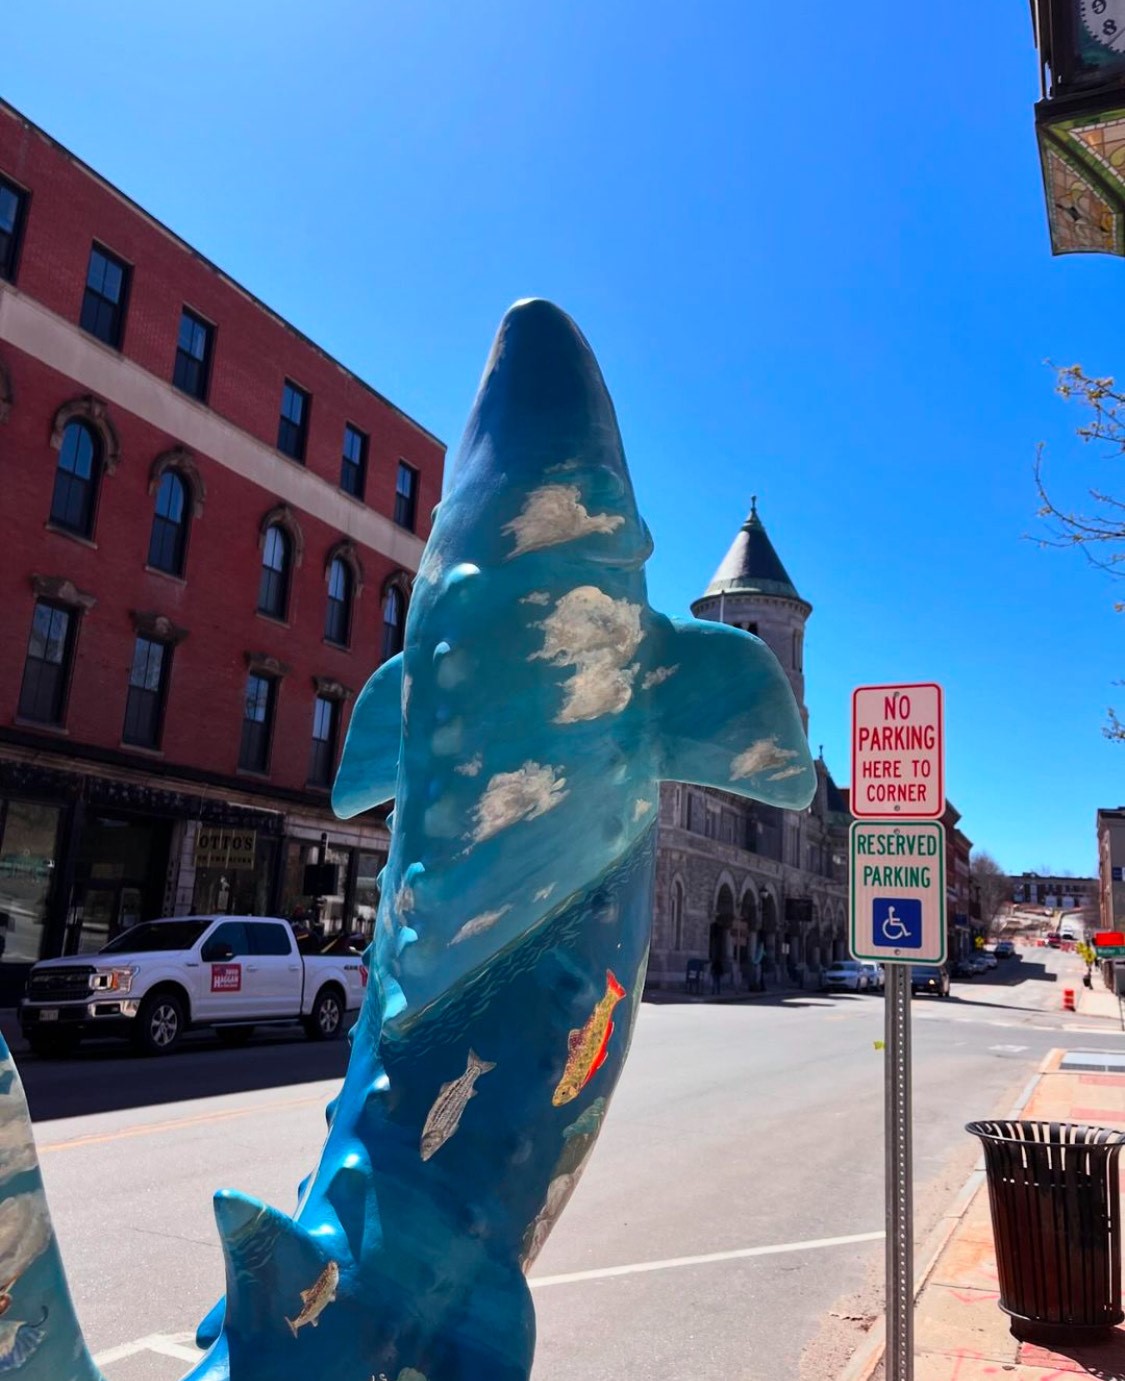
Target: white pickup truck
157,979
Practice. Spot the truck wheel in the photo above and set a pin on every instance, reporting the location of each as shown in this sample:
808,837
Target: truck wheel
326,1020
234,1035
160,1024
53,1045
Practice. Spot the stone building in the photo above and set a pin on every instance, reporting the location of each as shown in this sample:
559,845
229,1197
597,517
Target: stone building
1067,893
765,889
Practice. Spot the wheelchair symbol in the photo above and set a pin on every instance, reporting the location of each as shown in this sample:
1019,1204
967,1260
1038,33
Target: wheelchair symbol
894,928
896,923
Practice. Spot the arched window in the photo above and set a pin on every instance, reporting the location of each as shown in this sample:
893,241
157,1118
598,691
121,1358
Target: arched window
393,622
337,620
273,588
677,915
168,542
76,480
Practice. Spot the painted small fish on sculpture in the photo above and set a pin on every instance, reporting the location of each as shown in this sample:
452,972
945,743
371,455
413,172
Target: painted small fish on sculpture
19,1340
316,1299
452,1099
587,1048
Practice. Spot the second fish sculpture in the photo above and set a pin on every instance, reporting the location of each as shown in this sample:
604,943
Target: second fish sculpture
523,734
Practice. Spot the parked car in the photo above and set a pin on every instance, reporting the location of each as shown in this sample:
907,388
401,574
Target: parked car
962,968
1005,949
929,978
1054,939
876,978
845,975
977,963
988,957
157,979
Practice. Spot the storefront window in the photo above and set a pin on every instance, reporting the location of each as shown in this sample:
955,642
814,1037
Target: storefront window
334,917
118,878
241,885
28,840
367,891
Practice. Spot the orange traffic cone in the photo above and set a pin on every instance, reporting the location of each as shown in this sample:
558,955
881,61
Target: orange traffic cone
1068,999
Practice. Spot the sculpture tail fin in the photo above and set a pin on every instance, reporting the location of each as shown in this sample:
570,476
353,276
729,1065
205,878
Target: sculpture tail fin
58,1347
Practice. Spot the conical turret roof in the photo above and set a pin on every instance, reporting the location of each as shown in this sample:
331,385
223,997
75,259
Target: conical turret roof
751,566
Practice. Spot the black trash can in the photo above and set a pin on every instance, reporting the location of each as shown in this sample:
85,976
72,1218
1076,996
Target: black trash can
1056,1218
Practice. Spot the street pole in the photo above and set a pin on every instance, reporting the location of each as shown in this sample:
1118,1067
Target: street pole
900,1176
898,918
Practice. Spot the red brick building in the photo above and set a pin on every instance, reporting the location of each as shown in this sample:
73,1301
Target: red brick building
209,532
960,913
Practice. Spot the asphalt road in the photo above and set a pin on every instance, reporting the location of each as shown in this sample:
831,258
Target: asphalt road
747,1134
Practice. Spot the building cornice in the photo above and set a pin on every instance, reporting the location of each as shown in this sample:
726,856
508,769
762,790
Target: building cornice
735,599
34,749
27,325
219,273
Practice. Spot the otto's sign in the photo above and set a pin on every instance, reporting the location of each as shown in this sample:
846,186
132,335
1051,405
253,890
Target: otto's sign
225,848
897,752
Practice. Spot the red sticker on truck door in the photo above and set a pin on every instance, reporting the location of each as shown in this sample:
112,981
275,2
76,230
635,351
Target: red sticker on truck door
226,978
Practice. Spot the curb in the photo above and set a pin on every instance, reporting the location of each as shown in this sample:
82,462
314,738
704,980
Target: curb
862,1364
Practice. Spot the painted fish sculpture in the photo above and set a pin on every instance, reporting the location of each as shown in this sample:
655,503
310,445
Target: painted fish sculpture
316,1299
588,1048
445,1116
523,734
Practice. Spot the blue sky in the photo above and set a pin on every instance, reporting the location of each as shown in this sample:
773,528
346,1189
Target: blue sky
810,253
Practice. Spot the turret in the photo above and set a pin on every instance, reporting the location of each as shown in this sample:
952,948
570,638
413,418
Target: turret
752,590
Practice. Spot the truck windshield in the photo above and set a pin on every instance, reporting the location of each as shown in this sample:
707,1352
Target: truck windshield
155,935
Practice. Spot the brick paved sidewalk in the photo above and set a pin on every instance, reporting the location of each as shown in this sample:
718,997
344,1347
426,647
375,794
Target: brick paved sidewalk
961,1334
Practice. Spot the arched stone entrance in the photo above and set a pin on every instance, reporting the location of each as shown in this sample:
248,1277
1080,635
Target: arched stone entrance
772,973
813,946
748,959
795,959
719,943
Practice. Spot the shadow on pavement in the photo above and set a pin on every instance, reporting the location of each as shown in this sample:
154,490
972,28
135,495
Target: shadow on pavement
1105,1360
783,997
1015,971
107,1076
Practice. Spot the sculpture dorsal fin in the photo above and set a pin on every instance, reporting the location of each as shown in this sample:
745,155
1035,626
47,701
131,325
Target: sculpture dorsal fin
269,1261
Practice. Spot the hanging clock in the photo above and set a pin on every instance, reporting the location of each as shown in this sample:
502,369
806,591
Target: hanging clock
1103,25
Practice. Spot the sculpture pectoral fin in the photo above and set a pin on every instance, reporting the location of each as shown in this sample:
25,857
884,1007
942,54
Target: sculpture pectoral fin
369,763
726,715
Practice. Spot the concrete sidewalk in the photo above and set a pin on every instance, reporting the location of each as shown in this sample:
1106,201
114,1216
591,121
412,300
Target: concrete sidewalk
960,1332
1099,1002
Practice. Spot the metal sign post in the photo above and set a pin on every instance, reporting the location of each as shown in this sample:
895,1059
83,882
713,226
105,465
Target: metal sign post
897,893
900,1176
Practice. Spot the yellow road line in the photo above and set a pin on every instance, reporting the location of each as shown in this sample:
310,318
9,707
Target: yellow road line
172,1125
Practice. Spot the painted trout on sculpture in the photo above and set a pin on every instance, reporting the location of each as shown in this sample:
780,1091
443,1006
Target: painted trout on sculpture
588,1048
523,734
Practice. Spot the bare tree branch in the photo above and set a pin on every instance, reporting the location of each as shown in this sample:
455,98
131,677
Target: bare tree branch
1100,533
992,884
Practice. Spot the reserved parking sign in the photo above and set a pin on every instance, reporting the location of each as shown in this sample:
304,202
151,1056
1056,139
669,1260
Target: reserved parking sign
898,891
